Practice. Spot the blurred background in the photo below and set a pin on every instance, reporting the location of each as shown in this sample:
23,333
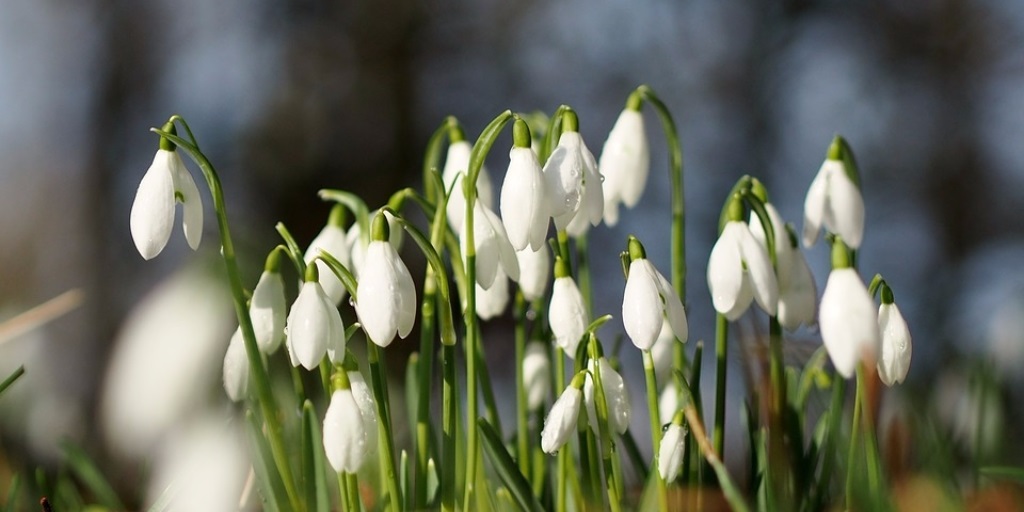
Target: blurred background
290,97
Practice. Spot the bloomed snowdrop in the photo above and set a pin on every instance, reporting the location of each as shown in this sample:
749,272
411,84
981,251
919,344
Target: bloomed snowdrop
896,344
524,208
625,161
536,374
615,394
236,368
314,325
574,186
492,247
739,269
798,295
649,300
165,183
331,240
456,167
561,421
357,243
847,317
267,308
386,295
834,199
567,315
491,302
534,272
670,455
350,425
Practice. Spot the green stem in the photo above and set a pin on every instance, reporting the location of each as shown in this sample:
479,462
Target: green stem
449,425
835,416
563,455
378,376
854,431
655,420
721,352
522,435
779,460
607,444
352,481
260,377
423,440
490,403
583,274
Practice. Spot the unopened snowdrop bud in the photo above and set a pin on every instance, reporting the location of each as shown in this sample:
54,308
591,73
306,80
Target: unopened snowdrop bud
896,344
625,160
561,421
648,300
847,318
386,295
567,315
534,272
358,244
574,185
456,167
834,199
331,240
670,455
267,308
739,269
491,303
492,247
536,374
798,294
348,436
615,395
524,207
165,183
236,368
313,324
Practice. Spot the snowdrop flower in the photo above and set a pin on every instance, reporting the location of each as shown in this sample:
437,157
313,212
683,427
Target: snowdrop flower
314,325
615,394
561,421
834,199
456,167
536,374
267,308
669,403
567,315
492,247
236,368
331,240
165,183
625,161
524,208
491,303
847,318
739,270
386,295
896,345
358,244
798,294
574,187
670,455
350,425
648,300
662,354
534,272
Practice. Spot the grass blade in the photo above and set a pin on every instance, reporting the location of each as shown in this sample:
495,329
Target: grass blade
506,468
85,469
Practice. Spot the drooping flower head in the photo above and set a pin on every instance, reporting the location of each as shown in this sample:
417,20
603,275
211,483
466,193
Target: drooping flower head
649,300
739,269
386,295
524,206
625,160
567,314
492,247
834,199
536,374
574,186
331,240
456,167
896,344
847,317
267,308
350,425
560,424
314,325
358,244
670,454
165,183
236,368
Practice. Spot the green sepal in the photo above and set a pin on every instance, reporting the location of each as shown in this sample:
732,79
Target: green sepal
312,274
841,257
840,150
380,231
636,249
165,143
635,101
561,268
521,133
570,121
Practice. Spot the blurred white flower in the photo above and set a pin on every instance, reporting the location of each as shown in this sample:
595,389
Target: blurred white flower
567,315
670,455
739,271
268,311
536,374
798,294
236,368
491,303
492,247
896,344
534,272
848,321
625,164
574,185
668,403
386,296
524,207
615,395
152,219
456,165
834,200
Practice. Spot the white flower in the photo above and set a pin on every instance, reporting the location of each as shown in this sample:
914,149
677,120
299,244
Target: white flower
456,166
491,303
835,200
167,181
669,403
267,311
567,315
670,455
536,374
331,240
524,207
848,321
350,427
798,294
738,271
896,344
574,187
648,300
625,164
615,394
386,295
236,368
492,247
561,421
357,244
314,326
534,272
663,354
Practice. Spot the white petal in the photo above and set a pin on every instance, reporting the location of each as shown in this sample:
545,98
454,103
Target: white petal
506,254
563,176
534,272
662,354
367,408
642,307
896,345
668,403
192,205
625,163
308,326
152,217
561,421
236,368
814,203
406,296
798,299
491,303
848,321
730,291
523,203
759,270
333,241
593,200
675,314
536,374
616,398
376,304
782,245
844,213
567,315
336,337
670,455
268,311
346,441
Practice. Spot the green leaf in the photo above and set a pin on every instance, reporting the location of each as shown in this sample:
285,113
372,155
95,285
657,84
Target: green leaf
85,469
1003,473
506,468
271,486
293,250
315,475
12,493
